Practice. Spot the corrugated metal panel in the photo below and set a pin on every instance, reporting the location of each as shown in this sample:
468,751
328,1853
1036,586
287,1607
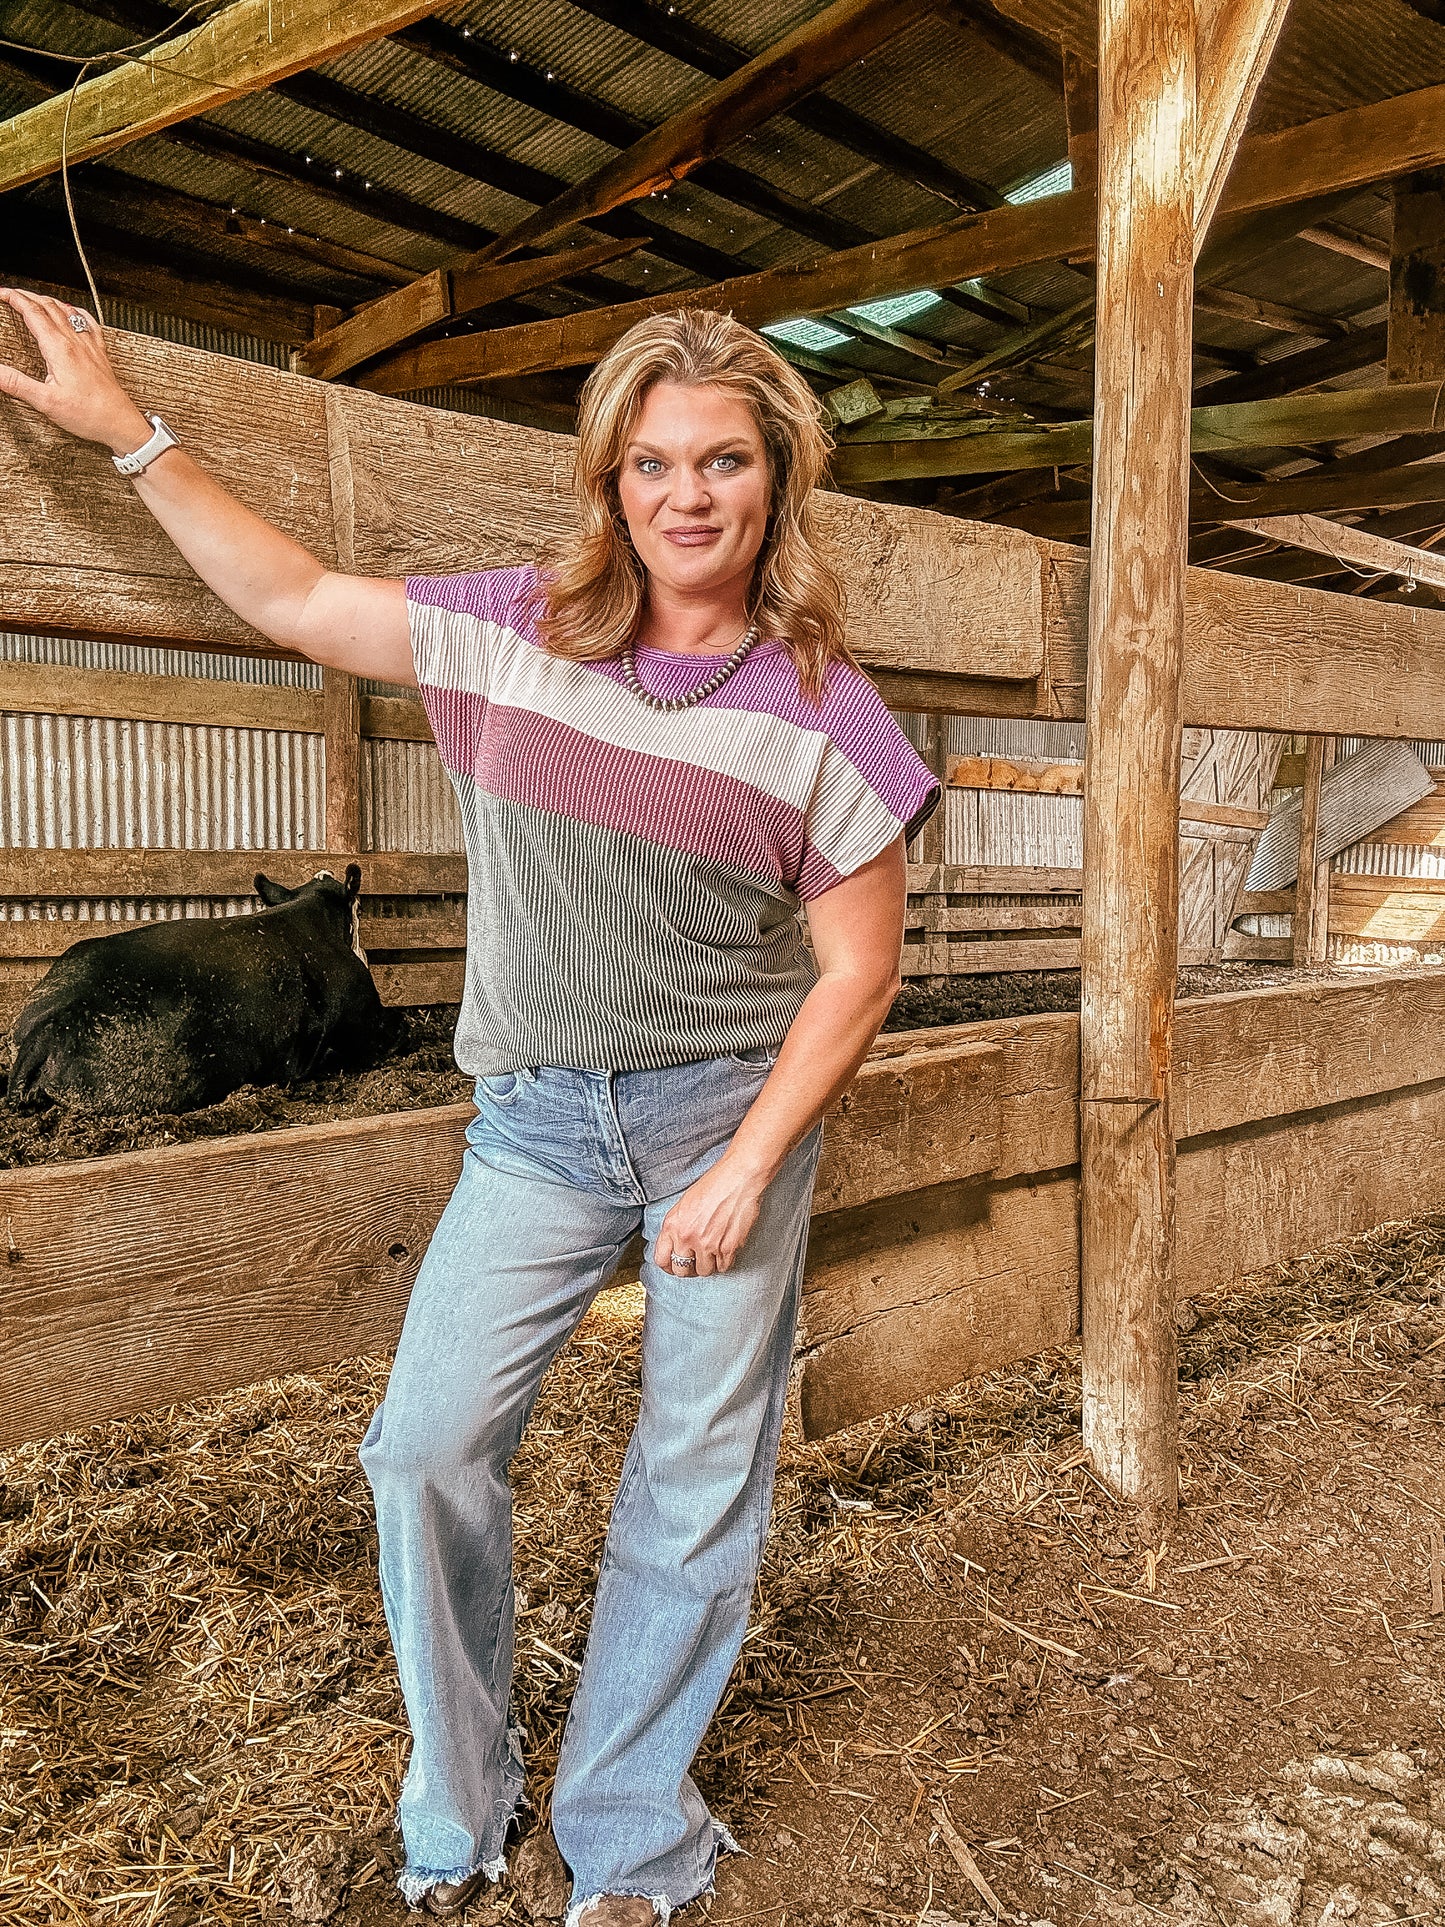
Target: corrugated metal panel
1361,792
407,801
152,659
1390,860
75,782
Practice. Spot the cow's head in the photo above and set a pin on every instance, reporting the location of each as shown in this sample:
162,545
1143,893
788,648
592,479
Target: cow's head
324,885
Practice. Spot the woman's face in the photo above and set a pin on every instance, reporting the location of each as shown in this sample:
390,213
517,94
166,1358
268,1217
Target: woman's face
695,488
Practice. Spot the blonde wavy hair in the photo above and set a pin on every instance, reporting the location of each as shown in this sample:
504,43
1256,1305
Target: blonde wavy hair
591,603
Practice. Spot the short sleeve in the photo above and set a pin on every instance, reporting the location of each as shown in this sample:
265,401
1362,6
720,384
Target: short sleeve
456,622
872,787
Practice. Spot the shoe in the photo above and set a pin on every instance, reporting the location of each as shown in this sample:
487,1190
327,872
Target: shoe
618,1910
451,1896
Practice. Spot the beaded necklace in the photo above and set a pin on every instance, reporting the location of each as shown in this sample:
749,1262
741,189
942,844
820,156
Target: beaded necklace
665,705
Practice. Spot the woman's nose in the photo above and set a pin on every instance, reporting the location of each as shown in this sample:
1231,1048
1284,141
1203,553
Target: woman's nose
689,489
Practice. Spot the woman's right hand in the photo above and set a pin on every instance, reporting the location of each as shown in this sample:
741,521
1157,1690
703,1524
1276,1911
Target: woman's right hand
352,622
79,392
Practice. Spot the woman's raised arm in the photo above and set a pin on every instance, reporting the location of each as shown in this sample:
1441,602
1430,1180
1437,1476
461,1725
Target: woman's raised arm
351,622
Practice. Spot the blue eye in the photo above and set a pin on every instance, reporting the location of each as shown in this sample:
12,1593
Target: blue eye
650,465
727,463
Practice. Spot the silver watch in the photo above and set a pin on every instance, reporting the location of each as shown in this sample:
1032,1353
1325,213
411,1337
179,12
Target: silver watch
140,459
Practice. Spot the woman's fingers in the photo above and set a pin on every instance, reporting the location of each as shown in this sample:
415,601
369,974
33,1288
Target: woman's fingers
20,386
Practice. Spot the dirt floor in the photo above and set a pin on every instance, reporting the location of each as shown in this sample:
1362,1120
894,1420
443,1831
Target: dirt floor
421,1072
973,1691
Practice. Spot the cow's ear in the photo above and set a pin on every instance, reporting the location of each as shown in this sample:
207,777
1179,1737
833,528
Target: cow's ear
353,882
271,893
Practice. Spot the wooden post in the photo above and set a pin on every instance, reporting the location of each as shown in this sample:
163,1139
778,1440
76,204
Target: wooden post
1132,750
928,845
1416,349
341,721
1310,924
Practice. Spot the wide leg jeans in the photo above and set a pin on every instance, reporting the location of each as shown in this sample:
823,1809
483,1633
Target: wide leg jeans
562,1168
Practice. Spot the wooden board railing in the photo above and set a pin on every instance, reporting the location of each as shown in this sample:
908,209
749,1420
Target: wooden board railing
946,1240
950,616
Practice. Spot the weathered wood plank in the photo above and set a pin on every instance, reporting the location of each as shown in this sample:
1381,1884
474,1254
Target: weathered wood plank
252,1275
958,617
927,1291
52,689
217,1265
218,873
386,938
942,958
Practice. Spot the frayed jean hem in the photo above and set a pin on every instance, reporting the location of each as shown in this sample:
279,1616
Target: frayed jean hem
417,1882
723,1842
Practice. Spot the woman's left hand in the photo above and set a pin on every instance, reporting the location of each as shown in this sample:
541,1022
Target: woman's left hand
710,1221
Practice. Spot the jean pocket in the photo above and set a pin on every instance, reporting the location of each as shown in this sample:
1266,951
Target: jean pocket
758,1057
504,1088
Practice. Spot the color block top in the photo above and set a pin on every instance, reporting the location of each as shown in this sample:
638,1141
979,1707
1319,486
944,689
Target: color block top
634,877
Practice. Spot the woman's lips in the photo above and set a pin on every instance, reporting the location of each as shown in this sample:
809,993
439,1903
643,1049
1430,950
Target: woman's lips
691,538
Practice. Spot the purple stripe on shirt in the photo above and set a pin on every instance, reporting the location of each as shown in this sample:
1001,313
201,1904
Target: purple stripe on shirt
524,757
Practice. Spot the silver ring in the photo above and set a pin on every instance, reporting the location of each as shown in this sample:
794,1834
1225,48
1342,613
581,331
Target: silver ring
79,323
683,1267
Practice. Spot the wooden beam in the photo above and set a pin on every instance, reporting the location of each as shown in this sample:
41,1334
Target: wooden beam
845,32
1287,421
1356,548
941,610
31,874
655,23
1417,279
1316,492
1336,238
240,50
1326,156
432,299
1132,743
1236,40
50,689
1310,931
929,845
341,717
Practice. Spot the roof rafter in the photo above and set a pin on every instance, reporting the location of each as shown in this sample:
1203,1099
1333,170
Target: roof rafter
842,34
659,26
239,50
1325,156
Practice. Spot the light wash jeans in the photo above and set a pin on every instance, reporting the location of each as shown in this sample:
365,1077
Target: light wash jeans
563,1166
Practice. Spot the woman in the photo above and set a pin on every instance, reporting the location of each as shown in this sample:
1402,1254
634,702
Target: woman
660,748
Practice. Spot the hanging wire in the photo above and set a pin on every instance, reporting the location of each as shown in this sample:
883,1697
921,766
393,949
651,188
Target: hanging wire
135,53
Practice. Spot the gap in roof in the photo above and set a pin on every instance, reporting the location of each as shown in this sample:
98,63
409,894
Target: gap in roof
1053,180
805,333
898,308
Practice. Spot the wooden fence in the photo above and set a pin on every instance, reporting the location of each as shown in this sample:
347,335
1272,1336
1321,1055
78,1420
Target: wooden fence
945,1235
948,1238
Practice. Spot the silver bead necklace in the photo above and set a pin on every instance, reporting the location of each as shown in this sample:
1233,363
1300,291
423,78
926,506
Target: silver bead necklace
666,705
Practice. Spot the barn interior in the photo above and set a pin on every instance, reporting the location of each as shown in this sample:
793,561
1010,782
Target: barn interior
363,257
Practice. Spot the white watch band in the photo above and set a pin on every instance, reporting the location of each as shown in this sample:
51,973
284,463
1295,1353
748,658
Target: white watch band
140,459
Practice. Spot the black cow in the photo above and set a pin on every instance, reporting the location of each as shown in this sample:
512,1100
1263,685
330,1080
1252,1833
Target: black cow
169,1016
